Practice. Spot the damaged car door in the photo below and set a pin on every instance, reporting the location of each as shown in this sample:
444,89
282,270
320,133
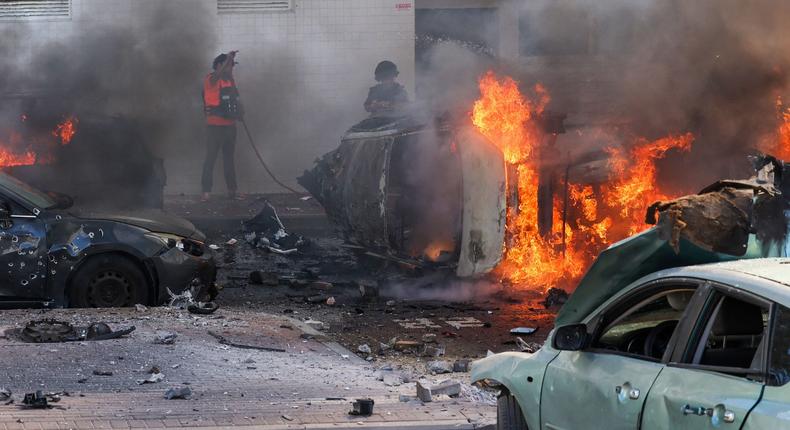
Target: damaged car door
604,383
718,377
23,257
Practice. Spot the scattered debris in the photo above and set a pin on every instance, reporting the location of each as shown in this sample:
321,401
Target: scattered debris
266,231
224,341
319,298
462,366
231,242
429,338
479,396
102,372
330,301
523,330
433,351
140,308
392,378
5,394
321,285
555,297
362,407
178,393
154,378
449,387
201,308
525,346
439,367
286,417
403,345
316,325
35,400
464,322
48,330
165,338
364,348
182,300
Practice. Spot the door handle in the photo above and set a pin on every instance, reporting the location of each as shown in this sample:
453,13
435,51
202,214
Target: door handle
694,410
627,391
717,414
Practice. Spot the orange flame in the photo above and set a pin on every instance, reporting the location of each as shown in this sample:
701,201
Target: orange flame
633,177
508,120
66,130
18,151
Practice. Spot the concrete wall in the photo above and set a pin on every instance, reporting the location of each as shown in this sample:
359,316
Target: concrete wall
303,75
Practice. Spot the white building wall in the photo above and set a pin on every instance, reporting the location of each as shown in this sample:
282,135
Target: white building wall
303,75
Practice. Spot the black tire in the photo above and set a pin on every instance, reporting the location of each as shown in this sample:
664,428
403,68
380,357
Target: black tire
508,413
108,281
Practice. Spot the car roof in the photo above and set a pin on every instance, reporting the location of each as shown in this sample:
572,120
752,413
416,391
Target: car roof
766,277
771,269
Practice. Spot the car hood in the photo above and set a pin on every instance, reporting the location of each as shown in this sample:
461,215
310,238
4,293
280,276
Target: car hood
630,259
153,220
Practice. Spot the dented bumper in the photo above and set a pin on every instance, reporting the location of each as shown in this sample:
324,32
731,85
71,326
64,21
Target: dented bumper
179,271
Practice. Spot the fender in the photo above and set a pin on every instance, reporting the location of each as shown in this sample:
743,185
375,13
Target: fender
521,373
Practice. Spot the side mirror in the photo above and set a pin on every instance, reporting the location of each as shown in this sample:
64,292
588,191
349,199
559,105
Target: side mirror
570,337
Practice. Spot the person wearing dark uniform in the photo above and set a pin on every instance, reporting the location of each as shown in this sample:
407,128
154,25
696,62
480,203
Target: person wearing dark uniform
222,109
388,95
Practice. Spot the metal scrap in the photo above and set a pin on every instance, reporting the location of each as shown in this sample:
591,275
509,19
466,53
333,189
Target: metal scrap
224,341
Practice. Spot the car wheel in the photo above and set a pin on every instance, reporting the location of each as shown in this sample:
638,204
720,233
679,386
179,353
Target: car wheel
108,281
508,413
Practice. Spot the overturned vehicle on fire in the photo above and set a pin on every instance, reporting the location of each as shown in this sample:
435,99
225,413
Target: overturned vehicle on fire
54,255
422,194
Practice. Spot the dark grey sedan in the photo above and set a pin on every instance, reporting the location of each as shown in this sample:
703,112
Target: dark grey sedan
54,255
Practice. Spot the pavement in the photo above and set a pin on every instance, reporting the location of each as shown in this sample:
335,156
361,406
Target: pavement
308,386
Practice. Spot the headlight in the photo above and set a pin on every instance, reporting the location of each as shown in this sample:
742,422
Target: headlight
192,247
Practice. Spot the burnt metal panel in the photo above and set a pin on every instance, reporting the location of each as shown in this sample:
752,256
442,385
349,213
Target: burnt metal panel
351,183
484,204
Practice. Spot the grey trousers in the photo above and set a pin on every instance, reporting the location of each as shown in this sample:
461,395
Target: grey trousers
220,137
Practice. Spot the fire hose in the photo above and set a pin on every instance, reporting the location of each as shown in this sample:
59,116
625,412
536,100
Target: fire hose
260,158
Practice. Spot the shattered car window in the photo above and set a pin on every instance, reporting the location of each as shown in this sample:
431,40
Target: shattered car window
646,328
25,191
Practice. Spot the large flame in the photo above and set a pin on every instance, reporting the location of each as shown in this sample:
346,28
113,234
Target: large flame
18,151
595,215
779,144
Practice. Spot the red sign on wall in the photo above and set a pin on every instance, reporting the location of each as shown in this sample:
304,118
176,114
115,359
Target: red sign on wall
403,6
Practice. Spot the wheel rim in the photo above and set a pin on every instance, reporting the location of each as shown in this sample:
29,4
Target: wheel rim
108,289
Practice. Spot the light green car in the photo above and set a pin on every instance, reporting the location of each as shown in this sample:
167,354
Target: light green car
704,346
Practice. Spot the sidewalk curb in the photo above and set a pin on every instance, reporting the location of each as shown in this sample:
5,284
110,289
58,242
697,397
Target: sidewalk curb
410,425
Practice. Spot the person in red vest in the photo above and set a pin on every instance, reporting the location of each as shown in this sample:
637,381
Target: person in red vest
222,109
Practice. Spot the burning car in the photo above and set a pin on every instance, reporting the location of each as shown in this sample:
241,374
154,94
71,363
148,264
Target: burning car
55,255
494,191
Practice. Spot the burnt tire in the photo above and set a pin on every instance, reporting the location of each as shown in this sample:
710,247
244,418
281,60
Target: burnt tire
508,413
108,281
